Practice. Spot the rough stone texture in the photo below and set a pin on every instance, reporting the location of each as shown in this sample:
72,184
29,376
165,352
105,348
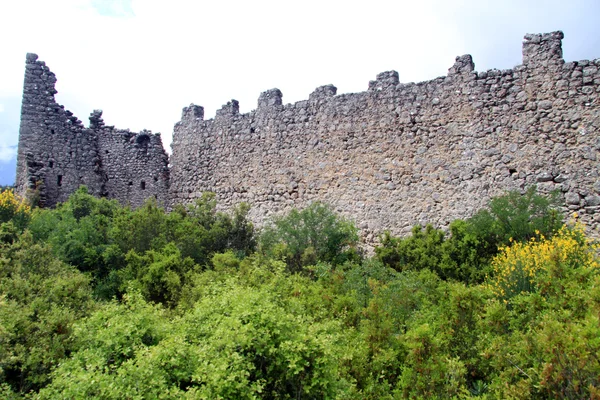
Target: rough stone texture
57,153
391,157
403,154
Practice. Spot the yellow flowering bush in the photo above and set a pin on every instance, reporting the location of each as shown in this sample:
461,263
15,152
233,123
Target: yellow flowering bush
540,264
13,207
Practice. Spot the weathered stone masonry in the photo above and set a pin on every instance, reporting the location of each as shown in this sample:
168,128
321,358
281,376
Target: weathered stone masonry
401,154
57,153
397,154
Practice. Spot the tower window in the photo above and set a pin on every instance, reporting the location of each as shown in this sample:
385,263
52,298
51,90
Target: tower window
59,180
142,185
51,164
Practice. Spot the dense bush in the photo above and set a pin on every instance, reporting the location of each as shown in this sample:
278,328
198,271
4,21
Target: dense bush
98,235
101,301
313,234
465,253
40,299
14,209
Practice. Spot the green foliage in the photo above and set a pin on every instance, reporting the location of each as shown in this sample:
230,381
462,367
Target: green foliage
421,250
14,209
96,235
466,253
200,231
106,347
359,278
158,275
313,234
543,341
429,372
237,342
40,300
78,232
258,348
505,306
517,216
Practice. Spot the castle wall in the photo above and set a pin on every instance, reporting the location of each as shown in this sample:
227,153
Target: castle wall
57,153
403,154
391,157
135,166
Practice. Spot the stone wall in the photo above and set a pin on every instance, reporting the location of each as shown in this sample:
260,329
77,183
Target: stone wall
404,154
57,153
391,157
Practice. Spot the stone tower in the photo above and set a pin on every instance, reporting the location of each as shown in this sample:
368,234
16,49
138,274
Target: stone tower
57,153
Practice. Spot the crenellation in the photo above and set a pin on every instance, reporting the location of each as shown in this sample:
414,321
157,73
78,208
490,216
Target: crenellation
543,50
228,111
393,156
320,93
193,112
270,100
96,121
385,80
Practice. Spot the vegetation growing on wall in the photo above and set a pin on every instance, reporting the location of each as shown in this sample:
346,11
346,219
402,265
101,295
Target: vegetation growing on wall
101,301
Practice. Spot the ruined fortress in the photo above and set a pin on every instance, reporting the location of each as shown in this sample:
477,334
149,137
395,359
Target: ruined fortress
391,157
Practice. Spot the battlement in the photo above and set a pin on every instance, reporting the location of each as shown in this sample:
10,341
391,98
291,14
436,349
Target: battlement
543,50
540,51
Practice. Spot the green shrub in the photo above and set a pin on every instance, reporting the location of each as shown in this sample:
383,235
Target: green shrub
313,234
40,300
465,253
158,274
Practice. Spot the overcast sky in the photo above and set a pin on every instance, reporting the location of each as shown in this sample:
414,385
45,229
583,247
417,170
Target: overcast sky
142,61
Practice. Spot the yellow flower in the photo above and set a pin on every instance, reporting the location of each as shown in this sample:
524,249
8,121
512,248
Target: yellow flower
522,266
12,205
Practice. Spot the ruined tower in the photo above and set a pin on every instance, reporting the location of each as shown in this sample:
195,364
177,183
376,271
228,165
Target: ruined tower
57,153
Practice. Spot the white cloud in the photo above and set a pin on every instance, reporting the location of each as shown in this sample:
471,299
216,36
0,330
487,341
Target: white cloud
7,152
113,8
8,143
